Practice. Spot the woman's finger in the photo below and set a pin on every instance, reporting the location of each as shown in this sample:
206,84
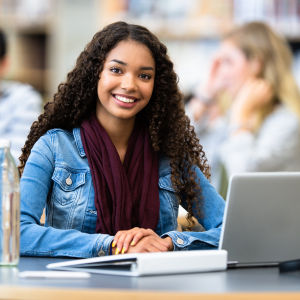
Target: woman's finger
133,237
121,232
148,244
120,244
127,241
154,244
158,245
152,249
142,233
116,238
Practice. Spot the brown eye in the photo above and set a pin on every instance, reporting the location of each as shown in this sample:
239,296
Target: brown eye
116,70
145,76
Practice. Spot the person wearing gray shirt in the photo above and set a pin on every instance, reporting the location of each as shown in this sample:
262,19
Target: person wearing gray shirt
20,106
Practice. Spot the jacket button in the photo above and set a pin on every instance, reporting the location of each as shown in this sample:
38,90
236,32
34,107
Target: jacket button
101,253
69,180
179,241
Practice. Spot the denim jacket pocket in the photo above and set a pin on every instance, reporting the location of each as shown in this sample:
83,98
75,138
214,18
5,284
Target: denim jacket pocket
66,183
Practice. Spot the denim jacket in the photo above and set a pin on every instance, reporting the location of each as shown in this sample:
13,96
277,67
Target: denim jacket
57,177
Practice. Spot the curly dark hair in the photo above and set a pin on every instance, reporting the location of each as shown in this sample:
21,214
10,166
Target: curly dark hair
169,128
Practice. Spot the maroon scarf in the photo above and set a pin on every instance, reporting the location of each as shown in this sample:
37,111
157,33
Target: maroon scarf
126,195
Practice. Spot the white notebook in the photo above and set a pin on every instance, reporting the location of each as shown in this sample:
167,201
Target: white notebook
143,264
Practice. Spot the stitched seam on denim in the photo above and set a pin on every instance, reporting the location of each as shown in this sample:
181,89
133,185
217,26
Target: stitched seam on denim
98,245
170,203
78,142
55,146
163,185
90,220
51,205
72,170
64,203
166,187
51,147
73,209
164,173
86,203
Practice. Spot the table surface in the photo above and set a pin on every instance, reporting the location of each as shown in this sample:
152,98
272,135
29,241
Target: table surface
232,281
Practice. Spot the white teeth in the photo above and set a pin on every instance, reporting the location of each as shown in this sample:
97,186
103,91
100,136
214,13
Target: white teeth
123,99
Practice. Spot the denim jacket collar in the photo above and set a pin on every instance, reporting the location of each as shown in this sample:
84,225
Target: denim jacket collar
77,137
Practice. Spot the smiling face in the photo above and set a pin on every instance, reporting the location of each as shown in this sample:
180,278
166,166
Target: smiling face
126,82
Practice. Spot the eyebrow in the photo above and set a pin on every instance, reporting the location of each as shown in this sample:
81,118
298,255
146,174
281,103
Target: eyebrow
124,64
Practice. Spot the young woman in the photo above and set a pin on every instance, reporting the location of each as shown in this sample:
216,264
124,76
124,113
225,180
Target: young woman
113,155
261,129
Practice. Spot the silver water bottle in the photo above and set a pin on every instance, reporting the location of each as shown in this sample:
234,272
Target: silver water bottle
9,207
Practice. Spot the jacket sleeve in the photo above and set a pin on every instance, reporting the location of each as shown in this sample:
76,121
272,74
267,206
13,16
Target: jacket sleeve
37,240
211,218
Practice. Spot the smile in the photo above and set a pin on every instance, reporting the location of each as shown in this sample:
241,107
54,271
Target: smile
125,99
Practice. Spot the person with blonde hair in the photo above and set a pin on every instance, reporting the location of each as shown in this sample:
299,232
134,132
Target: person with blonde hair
249,108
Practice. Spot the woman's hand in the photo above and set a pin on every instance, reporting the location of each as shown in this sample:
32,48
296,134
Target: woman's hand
214,82
126,239
203,102
198,108
149,244
253,95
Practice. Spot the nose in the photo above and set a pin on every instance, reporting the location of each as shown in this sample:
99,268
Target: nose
128,83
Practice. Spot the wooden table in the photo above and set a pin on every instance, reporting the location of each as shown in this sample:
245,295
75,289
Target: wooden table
239,284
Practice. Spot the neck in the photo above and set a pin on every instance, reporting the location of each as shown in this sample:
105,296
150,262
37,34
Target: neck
119,130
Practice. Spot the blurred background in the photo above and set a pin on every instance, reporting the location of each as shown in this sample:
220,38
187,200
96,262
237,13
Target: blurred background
46,36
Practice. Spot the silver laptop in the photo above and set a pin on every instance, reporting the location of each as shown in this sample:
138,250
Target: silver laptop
261,224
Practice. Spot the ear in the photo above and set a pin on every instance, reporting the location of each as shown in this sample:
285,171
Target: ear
4,64
255,67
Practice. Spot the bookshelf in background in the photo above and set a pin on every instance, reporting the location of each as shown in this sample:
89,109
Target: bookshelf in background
27,27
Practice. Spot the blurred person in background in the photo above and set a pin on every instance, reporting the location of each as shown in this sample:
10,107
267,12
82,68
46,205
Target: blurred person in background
247,113
20,106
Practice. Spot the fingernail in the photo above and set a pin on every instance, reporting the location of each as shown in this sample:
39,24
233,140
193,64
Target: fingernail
113,244
132,243
117,251
123,251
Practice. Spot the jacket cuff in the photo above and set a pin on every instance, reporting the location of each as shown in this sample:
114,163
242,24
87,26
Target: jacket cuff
180,241
102,245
